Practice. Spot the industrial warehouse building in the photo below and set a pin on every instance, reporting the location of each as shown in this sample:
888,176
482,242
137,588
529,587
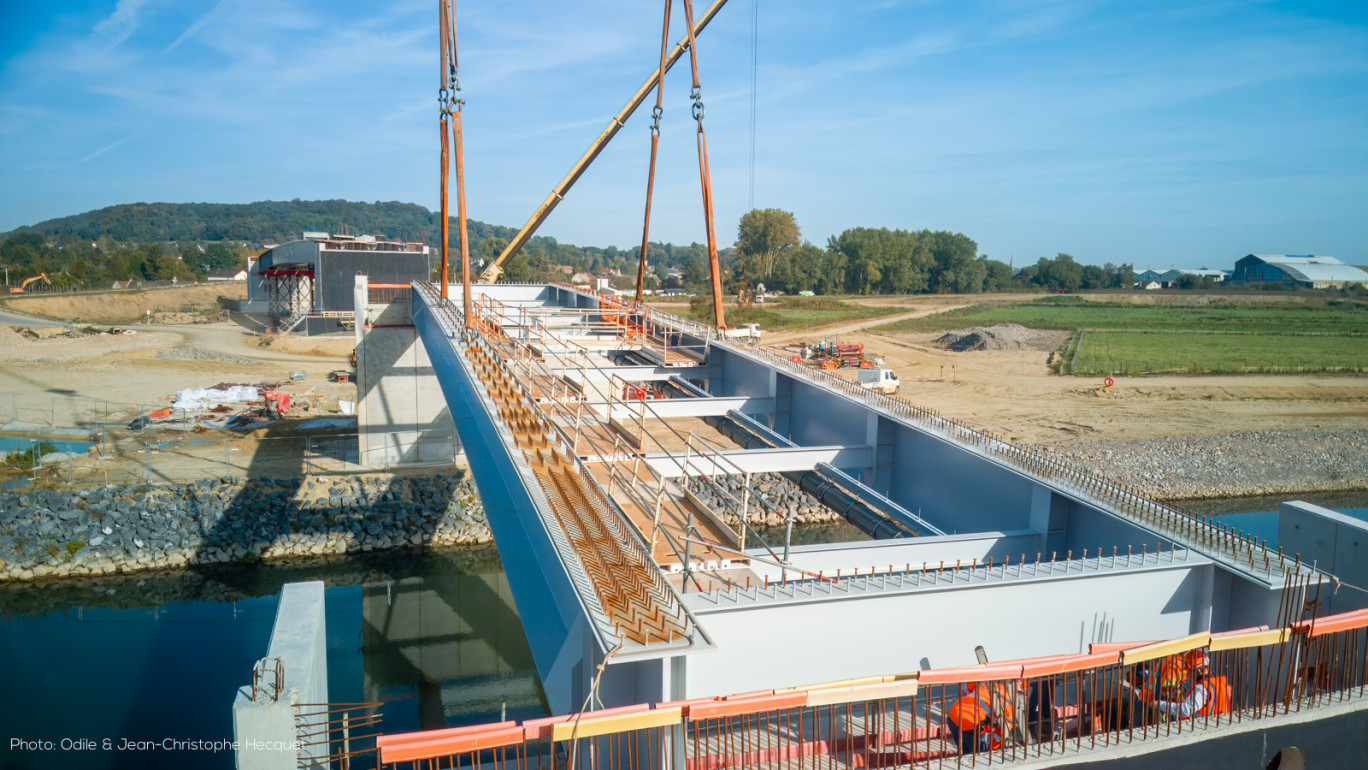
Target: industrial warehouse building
1309,272
1168,279
307,285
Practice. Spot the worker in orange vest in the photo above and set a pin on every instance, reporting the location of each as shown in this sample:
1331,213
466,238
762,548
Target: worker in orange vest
1205,694
1150,681
978,719
1165,678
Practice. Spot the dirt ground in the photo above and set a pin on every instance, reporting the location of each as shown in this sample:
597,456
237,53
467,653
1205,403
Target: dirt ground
125,307
73,378
1009,392
330,346
1013,393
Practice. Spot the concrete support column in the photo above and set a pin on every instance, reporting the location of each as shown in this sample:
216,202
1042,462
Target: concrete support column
264,726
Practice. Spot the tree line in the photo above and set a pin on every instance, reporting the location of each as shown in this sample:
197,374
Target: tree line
80,263
161,241
143,241
866,260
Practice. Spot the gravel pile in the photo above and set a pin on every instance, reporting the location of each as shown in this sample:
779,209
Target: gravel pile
9,337
200,354
123,529
1231,465
778,491
1000,337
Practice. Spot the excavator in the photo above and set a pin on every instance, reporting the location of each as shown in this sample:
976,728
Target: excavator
29,281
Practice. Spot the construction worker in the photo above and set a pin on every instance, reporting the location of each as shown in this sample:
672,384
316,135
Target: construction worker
1162,679
1203,694
977,720
1165,678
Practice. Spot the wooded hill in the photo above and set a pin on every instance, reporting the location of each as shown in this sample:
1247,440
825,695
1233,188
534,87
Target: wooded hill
254,224
63,247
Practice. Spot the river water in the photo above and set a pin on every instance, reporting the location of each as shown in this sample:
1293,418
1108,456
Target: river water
433,636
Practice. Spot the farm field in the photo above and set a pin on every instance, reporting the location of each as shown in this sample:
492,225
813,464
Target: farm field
1172,335
1189,352
794,313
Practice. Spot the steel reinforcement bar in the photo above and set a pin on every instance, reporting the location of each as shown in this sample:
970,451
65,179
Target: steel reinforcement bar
1221,542
1043,707
626,584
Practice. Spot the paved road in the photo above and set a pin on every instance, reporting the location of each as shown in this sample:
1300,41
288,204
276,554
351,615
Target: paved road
10,318
227,337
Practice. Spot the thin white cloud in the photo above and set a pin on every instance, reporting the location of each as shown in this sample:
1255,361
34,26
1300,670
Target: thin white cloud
105,149
122,23
197,26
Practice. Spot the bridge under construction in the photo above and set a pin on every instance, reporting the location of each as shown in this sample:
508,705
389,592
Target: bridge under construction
609,441
615,448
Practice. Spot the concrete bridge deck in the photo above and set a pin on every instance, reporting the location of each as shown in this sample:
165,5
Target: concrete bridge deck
587,480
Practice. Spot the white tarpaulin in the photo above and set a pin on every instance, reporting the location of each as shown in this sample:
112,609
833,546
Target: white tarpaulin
203,398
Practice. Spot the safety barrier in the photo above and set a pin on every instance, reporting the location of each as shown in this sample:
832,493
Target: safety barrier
637,605
1218,540
387,293
1040,707
1215,539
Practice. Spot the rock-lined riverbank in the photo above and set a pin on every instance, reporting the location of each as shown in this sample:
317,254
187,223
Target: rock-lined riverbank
783,495
1228,465
114,530
123,529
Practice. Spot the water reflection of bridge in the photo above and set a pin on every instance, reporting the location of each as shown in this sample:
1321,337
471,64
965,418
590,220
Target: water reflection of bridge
452,640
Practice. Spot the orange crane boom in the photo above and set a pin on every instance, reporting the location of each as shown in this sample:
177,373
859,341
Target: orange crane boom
492,271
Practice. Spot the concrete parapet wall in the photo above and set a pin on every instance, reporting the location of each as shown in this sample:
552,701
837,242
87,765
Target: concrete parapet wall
778,644
1334,542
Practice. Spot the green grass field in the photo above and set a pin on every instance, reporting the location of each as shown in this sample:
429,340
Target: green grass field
1172,336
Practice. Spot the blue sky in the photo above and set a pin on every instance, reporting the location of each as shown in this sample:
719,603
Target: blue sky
1158,133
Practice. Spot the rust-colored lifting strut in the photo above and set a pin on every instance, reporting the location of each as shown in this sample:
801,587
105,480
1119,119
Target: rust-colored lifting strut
451,104
705,176
543,211
655,145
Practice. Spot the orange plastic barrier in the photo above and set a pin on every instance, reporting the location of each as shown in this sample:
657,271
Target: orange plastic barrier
750,705
626,719
459,740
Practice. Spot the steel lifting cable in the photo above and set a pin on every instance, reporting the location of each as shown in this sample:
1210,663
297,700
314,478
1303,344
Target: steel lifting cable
705,177
443,108
454,108
655,145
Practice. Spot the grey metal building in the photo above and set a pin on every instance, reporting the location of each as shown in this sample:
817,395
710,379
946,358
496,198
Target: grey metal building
307,285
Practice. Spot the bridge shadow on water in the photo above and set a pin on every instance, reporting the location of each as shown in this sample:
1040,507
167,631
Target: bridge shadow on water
433,634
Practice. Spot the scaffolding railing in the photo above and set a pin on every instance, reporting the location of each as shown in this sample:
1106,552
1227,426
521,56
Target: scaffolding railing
596,536
1115,695
1229,544
640,410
